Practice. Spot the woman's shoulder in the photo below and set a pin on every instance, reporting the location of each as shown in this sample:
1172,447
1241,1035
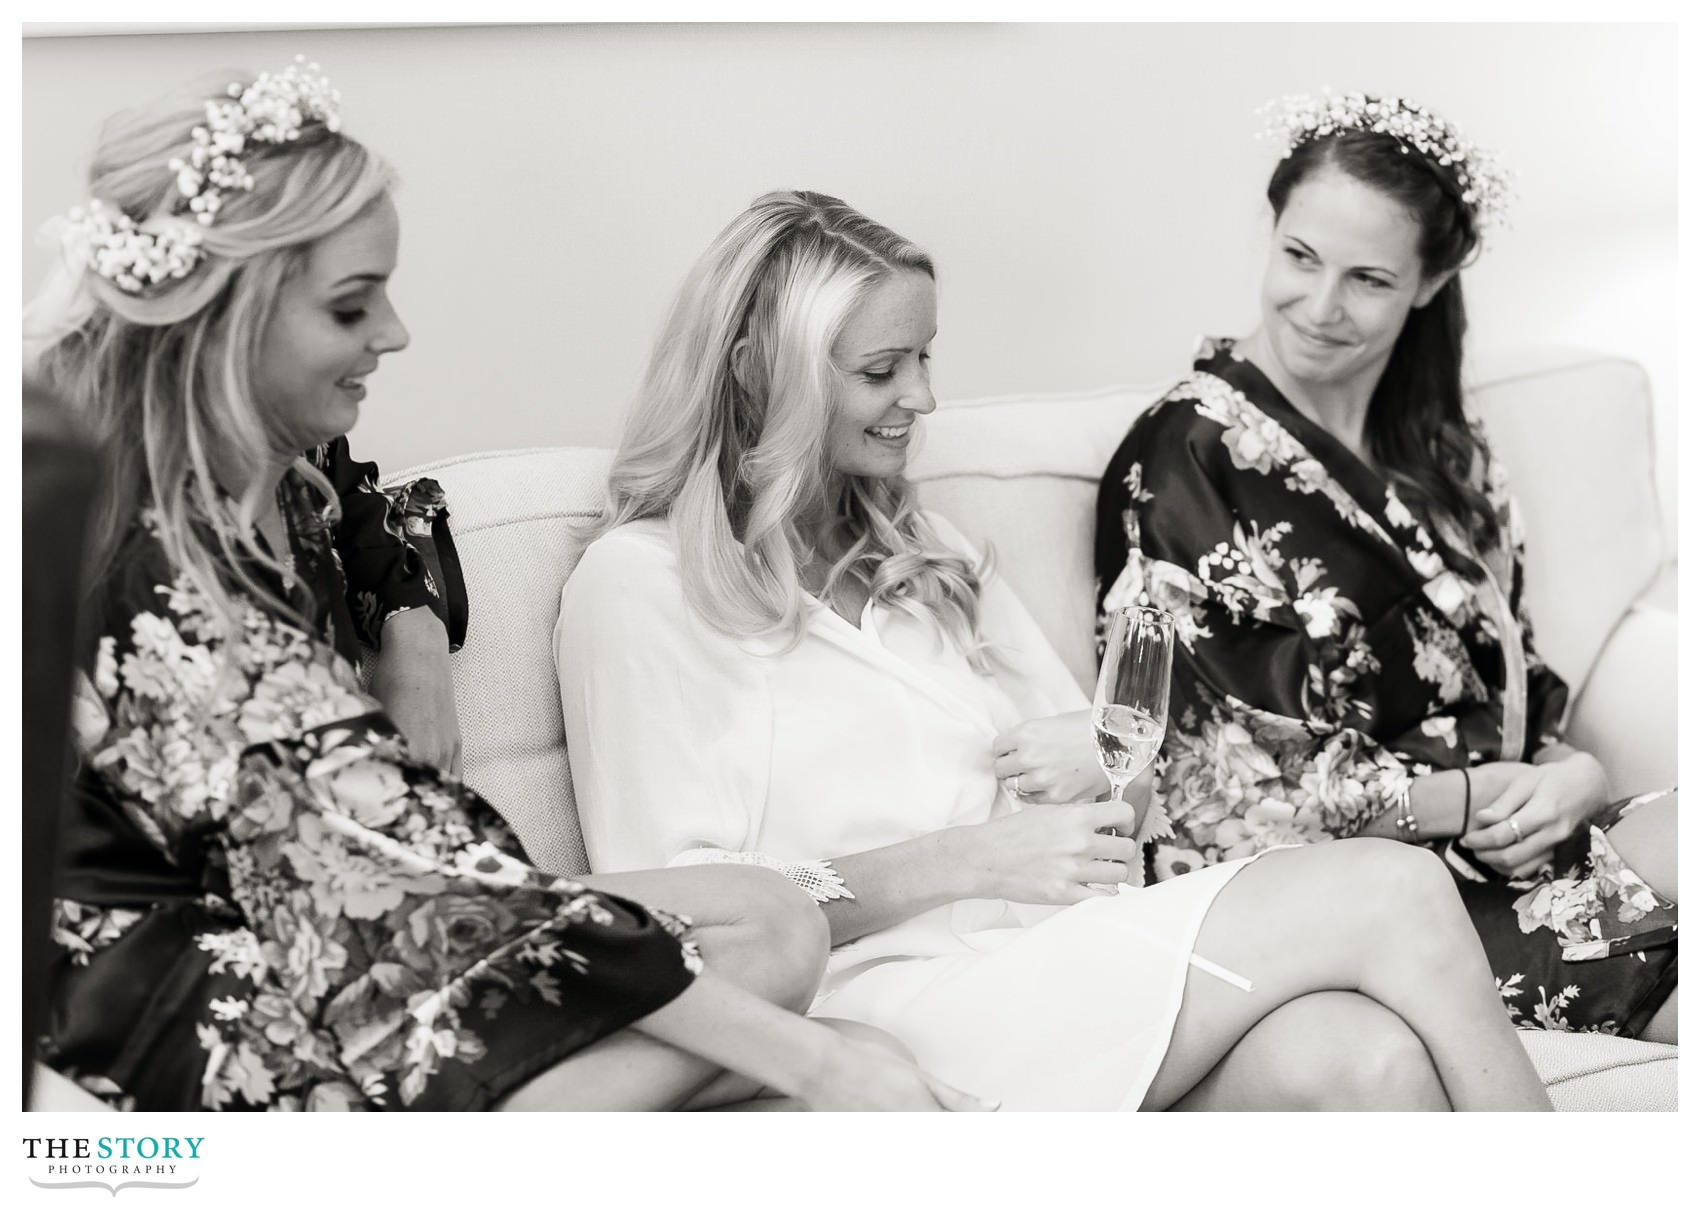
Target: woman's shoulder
1184,418
644,542
634,559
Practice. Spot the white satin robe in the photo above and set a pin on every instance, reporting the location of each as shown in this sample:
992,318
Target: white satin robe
683,737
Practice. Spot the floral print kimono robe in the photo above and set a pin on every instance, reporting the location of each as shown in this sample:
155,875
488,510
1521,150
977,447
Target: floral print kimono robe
394,546
265,904
1326,656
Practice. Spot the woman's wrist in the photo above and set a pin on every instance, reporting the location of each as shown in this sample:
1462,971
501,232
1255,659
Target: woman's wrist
1592,789
1440,804
959,865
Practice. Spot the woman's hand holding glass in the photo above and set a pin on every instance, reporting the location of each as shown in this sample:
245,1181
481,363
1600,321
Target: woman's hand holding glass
1047,854
1523,810
1050,760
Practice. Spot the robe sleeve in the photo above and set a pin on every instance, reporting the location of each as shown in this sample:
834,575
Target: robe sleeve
1257,750
395,548
667,720
387,942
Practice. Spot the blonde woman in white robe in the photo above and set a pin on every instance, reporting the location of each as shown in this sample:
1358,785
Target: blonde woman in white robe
769,654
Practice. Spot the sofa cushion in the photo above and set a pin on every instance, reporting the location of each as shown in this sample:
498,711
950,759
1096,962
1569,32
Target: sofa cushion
1588,1072
1575,430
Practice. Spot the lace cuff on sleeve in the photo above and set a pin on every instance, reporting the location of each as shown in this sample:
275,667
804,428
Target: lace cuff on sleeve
817,878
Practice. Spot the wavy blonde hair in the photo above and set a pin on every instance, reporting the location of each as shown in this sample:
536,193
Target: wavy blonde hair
734,464
164,378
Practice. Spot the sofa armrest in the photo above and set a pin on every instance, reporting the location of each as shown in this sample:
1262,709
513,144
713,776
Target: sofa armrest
1625,713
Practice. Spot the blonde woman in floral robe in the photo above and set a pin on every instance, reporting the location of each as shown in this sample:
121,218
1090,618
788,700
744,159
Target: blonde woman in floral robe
1326,658
266,898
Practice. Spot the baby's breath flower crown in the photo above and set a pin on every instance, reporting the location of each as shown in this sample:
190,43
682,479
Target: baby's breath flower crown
275,108
1483,183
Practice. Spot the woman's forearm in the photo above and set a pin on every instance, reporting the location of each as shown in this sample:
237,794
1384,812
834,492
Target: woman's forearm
723,1023
895,883
1437,802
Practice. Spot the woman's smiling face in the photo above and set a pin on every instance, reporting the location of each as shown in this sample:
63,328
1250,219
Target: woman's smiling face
1344,272
331,323
882,378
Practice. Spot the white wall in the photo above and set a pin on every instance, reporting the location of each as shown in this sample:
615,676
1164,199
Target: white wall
1093,194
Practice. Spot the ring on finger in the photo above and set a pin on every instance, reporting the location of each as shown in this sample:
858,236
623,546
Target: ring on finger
1516,830
1012,785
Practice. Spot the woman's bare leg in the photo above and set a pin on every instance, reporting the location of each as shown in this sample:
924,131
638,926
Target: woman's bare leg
1661,1029
1328,1052
754,928
1646,838
735,1093
1368,915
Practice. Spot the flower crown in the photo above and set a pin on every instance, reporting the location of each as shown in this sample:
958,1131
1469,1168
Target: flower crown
1483,184
273,109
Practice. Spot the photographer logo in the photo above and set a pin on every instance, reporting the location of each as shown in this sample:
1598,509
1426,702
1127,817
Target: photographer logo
114,1163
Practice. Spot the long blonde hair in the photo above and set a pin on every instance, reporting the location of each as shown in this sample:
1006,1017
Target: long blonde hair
734,466
164,377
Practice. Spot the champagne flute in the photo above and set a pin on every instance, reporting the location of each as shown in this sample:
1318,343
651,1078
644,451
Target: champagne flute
1131,708
1129,715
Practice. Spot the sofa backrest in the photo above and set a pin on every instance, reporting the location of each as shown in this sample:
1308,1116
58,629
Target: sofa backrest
512,514
1020,473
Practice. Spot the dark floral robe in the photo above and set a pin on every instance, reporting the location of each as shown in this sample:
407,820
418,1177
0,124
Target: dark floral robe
264,904
1326,656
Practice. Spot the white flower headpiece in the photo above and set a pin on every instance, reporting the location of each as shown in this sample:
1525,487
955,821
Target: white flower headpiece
273,109
1483,183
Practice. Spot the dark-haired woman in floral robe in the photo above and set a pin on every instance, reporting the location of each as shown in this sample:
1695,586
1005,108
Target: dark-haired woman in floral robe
1326,657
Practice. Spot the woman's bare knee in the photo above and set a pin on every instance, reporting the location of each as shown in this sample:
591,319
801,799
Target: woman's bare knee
1329,1051
1398,890
1381,1065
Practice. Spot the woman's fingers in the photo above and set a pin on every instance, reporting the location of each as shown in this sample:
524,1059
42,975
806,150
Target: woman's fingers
953,1099
1108,872
1533,867
1112,848
1006,764
1533,849
1503,805
1119,815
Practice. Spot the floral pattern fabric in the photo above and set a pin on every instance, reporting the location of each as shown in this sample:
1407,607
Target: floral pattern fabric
267,905
394,547
1327,656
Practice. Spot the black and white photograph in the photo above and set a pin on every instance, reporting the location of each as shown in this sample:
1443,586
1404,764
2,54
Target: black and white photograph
709,565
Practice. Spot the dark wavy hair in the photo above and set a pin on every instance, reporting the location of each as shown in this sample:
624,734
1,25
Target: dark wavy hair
1416,427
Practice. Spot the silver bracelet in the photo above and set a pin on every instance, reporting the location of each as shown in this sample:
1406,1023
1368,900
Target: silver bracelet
1405,820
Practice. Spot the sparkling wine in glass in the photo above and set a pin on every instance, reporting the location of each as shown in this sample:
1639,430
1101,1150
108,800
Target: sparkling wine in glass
1131,707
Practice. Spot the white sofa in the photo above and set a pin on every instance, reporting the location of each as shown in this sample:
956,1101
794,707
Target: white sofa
1021,473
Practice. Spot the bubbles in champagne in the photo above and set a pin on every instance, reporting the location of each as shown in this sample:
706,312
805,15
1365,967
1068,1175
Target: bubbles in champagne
1127,739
